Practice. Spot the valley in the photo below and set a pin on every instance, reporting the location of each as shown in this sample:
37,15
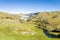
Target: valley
12,27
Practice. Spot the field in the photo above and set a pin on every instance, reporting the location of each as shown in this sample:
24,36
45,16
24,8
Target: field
13,28
21,31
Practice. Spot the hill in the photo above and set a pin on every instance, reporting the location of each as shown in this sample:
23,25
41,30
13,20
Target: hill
11,27
48,20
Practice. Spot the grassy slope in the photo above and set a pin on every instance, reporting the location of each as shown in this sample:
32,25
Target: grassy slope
12,30
49,19
9,32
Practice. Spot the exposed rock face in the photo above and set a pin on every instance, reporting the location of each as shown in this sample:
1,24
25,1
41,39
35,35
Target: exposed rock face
24,17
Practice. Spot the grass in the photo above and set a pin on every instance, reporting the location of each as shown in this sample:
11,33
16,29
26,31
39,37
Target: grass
15,31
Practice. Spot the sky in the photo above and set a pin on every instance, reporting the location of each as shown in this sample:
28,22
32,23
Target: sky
29,6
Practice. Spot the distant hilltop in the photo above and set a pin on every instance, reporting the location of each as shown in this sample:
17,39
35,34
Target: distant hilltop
22,16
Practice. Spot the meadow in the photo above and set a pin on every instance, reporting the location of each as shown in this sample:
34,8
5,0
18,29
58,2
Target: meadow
11,29
22,31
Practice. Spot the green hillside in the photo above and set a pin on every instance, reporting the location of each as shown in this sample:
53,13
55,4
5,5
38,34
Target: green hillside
48,20
11,27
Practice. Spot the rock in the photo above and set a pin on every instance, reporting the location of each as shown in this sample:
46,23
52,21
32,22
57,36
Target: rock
27,32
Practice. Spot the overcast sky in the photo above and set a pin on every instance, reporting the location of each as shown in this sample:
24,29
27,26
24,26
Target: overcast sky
29,6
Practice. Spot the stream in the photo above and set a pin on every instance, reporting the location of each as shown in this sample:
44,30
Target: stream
49,35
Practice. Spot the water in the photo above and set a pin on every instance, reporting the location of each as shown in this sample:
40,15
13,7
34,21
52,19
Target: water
47,34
